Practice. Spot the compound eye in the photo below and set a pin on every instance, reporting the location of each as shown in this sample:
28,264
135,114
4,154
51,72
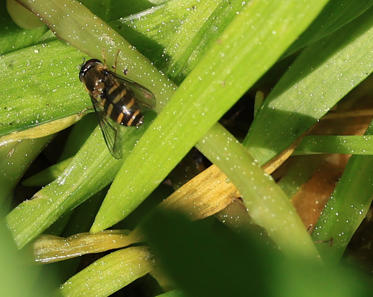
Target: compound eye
86,66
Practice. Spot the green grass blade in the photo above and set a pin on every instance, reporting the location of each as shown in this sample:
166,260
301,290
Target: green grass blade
321,76
78,135
330,144
40,99
110,273
76,184
346,208
203,97
335,15
47,175
261,195
300,171
176,47
15,158
12,37
21,16
109,10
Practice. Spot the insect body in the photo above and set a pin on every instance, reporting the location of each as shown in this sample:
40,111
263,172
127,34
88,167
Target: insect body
116,100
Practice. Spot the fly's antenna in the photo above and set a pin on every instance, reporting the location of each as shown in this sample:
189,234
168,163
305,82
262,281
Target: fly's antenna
83,62
116,61
103,56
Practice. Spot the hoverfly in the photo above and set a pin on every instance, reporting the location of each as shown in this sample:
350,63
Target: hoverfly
117,101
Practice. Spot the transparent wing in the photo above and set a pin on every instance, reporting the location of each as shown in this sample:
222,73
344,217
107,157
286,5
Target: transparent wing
143,96
109,130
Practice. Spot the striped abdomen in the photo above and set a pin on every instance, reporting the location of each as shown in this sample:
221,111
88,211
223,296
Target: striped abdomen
121,106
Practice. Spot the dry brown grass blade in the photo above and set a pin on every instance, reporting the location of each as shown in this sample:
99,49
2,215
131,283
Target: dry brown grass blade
50,248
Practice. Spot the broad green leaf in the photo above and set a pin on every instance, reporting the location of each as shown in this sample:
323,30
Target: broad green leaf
346,208
110,273
321,76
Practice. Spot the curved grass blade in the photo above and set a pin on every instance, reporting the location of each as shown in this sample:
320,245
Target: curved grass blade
110,273
212,87
42,130
321,76
49,248
346,208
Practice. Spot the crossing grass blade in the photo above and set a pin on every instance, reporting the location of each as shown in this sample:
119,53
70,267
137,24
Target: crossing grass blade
89,160
321,76
346,208
32,217
211,88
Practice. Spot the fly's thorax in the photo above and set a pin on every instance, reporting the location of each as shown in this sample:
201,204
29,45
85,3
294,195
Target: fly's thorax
94,78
